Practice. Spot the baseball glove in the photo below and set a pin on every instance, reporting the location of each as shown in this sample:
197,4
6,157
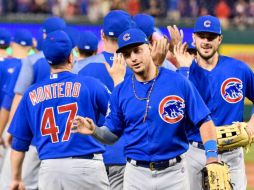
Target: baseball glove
233,136
215,176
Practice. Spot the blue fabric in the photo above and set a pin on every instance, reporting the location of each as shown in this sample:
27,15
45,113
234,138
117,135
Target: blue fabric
57,47
23,37
226,91
52,24
145,23
174,102
207,23
55,100
116,22
88,41
20,144
131,36
5,37
211,149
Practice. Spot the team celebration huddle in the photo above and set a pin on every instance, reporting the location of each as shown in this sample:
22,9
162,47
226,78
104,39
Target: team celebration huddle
124,118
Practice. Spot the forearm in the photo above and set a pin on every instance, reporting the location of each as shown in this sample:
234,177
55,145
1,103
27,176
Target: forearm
209,139
4,115
104,135
16,164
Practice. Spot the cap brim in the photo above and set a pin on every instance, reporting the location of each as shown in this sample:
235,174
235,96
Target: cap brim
207,31
119,50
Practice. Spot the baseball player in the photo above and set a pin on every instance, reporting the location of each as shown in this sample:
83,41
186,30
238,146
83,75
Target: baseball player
34,69
115,22
150,109
223,83
69,161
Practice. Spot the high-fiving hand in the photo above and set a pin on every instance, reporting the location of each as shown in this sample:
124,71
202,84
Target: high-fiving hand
83,125
118,69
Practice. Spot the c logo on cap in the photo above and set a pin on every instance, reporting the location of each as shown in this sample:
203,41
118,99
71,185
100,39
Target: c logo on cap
126,37
207,23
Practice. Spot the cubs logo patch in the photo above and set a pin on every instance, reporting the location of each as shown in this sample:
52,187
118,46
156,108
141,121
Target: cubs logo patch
207,23
171,109
231,90
126,37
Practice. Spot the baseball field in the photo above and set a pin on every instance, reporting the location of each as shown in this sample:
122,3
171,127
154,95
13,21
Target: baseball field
249,160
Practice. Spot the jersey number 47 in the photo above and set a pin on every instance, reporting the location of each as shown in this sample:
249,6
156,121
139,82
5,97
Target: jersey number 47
48,123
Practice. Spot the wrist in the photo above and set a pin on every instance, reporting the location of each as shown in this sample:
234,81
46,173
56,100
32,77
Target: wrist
211,150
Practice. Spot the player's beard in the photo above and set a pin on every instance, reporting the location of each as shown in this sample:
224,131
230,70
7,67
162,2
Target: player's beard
206,56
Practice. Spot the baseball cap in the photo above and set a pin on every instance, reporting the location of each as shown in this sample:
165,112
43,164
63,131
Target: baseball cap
5,37
131,37
145,23
208,23
53,23
88,41
73,34
23,37
57,47
116,22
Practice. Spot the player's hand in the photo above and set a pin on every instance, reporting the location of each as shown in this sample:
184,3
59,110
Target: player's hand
176,36
83,125
17,185
183,58
159,50
118,69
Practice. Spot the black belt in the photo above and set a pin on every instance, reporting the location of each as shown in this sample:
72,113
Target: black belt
158,165
197,145
88,156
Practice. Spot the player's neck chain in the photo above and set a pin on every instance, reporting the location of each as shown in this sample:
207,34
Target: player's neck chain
148,96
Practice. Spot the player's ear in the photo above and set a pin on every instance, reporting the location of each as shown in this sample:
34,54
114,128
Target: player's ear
220,38
102,35
193,39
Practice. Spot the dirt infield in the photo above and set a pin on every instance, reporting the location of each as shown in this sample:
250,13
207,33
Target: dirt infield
250,173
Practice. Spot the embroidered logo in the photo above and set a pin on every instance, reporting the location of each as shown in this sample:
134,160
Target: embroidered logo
171,109
231,90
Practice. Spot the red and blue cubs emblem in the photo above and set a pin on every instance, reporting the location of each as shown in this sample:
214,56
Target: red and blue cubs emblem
231,90
171,109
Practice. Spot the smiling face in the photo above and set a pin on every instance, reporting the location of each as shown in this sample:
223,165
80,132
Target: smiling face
138,58
207,44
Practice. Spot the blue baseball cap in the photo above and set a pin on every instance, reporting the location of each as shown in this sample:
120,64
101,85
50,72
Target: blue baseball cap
88,41
145,23
116,22
5,37
73,33
208,23
52,24
57,47
23,37
131,37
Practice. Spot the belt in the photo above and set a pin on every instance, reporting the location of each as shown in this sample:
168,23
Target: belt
158,165
197,145
88,156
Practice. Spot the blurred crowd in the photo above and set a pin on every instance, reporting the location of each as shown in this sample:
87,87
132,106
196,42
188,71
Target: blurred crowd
237,13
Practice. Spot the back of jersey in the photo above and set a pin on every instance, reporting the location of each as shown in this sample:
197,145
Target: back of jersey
51,106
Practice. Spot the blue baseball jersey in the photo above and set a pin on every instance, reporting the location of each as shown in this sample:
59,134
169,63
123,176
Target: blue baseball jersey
223,90
115,153
50,107
11,69
173,103
31,72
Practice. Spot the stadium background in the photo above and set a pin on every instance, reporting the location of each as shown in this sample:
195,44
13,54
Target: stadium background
237,18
